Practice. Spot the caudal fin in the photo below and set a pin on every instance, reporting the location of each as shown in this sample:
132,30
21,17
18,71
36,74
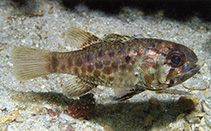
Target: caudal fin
30,63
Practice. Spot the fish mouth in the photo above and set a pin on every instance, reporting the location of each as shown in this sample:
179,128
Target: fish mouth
189,73
185,74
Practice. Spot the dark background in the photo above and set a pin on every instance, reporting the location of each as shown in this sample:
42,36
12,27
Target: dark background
180,10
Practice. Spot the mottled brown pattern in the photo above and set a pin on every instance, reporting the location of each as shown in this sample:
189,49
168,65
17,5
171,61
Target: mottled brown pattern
107,70
96,73
105,62
55,63
70,62
164,47
130,68
133,61
98,65
83,69
63,67
110,78
78,62
76,70
103,77
123,67
131,64
90,68
114,66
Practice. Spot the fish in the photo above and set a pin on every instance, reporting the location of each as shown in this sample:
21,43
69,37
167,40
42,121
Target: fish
127,64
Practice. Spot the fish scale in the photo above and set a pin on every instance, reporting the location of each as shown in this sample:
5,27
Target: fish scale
95,62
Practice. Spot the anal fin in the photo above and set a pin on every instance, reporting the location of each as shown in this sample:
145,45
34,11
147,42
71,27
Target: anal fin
77,87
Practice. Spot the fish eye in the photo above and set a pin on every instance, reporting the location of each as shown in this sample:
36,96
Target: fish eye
175,58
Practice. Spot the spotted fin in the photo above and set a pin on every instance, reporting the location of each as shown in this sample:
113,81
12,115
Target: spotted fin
77,87
81,38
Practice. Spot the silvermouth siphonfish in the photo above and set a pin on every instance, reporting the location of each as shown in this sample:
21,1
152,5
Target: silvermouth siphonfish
127,64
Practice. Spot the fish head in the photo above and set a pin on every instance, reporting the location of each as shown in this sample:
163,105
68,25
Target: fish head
166,64
182,62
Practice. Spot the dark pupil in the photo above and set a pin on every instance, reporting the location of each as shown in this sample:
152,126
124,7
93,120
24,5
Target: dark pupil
175,60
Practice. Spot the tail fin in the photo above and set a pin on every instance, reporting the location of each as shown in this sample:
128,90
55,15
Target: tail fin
30,63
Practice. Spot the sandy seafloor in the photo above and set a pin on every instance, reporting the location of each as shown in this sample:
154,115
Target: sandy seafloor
146,111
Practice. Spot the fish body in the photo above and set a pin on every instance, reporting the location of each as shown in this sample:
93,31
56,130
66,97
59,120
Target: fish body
129,65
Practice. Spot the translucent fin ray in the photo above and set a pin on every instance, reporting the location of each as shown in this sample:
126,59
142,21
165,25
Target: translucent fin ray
116,37
29,63
77,87
80,38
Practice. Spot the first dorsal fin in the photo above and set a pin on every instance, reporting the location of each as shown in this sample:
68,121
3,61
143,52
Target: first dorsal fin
77,87
80,38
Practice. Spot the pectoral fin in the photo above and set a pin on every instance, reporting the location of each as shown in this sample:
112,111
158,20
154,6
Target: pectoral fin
77,87
128,94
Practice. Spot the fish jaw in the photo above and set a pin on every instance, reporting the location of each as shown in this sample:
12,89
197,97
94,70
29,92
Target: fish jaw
183,76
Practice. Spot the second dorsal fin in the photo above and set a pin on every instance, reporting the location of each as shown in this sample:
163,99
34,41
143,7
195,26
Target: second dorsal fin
116,37
81,38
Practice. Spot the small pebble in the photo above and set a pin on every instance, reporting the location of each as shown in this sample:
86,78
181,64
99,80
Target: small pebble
206,93
51,112
9,118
